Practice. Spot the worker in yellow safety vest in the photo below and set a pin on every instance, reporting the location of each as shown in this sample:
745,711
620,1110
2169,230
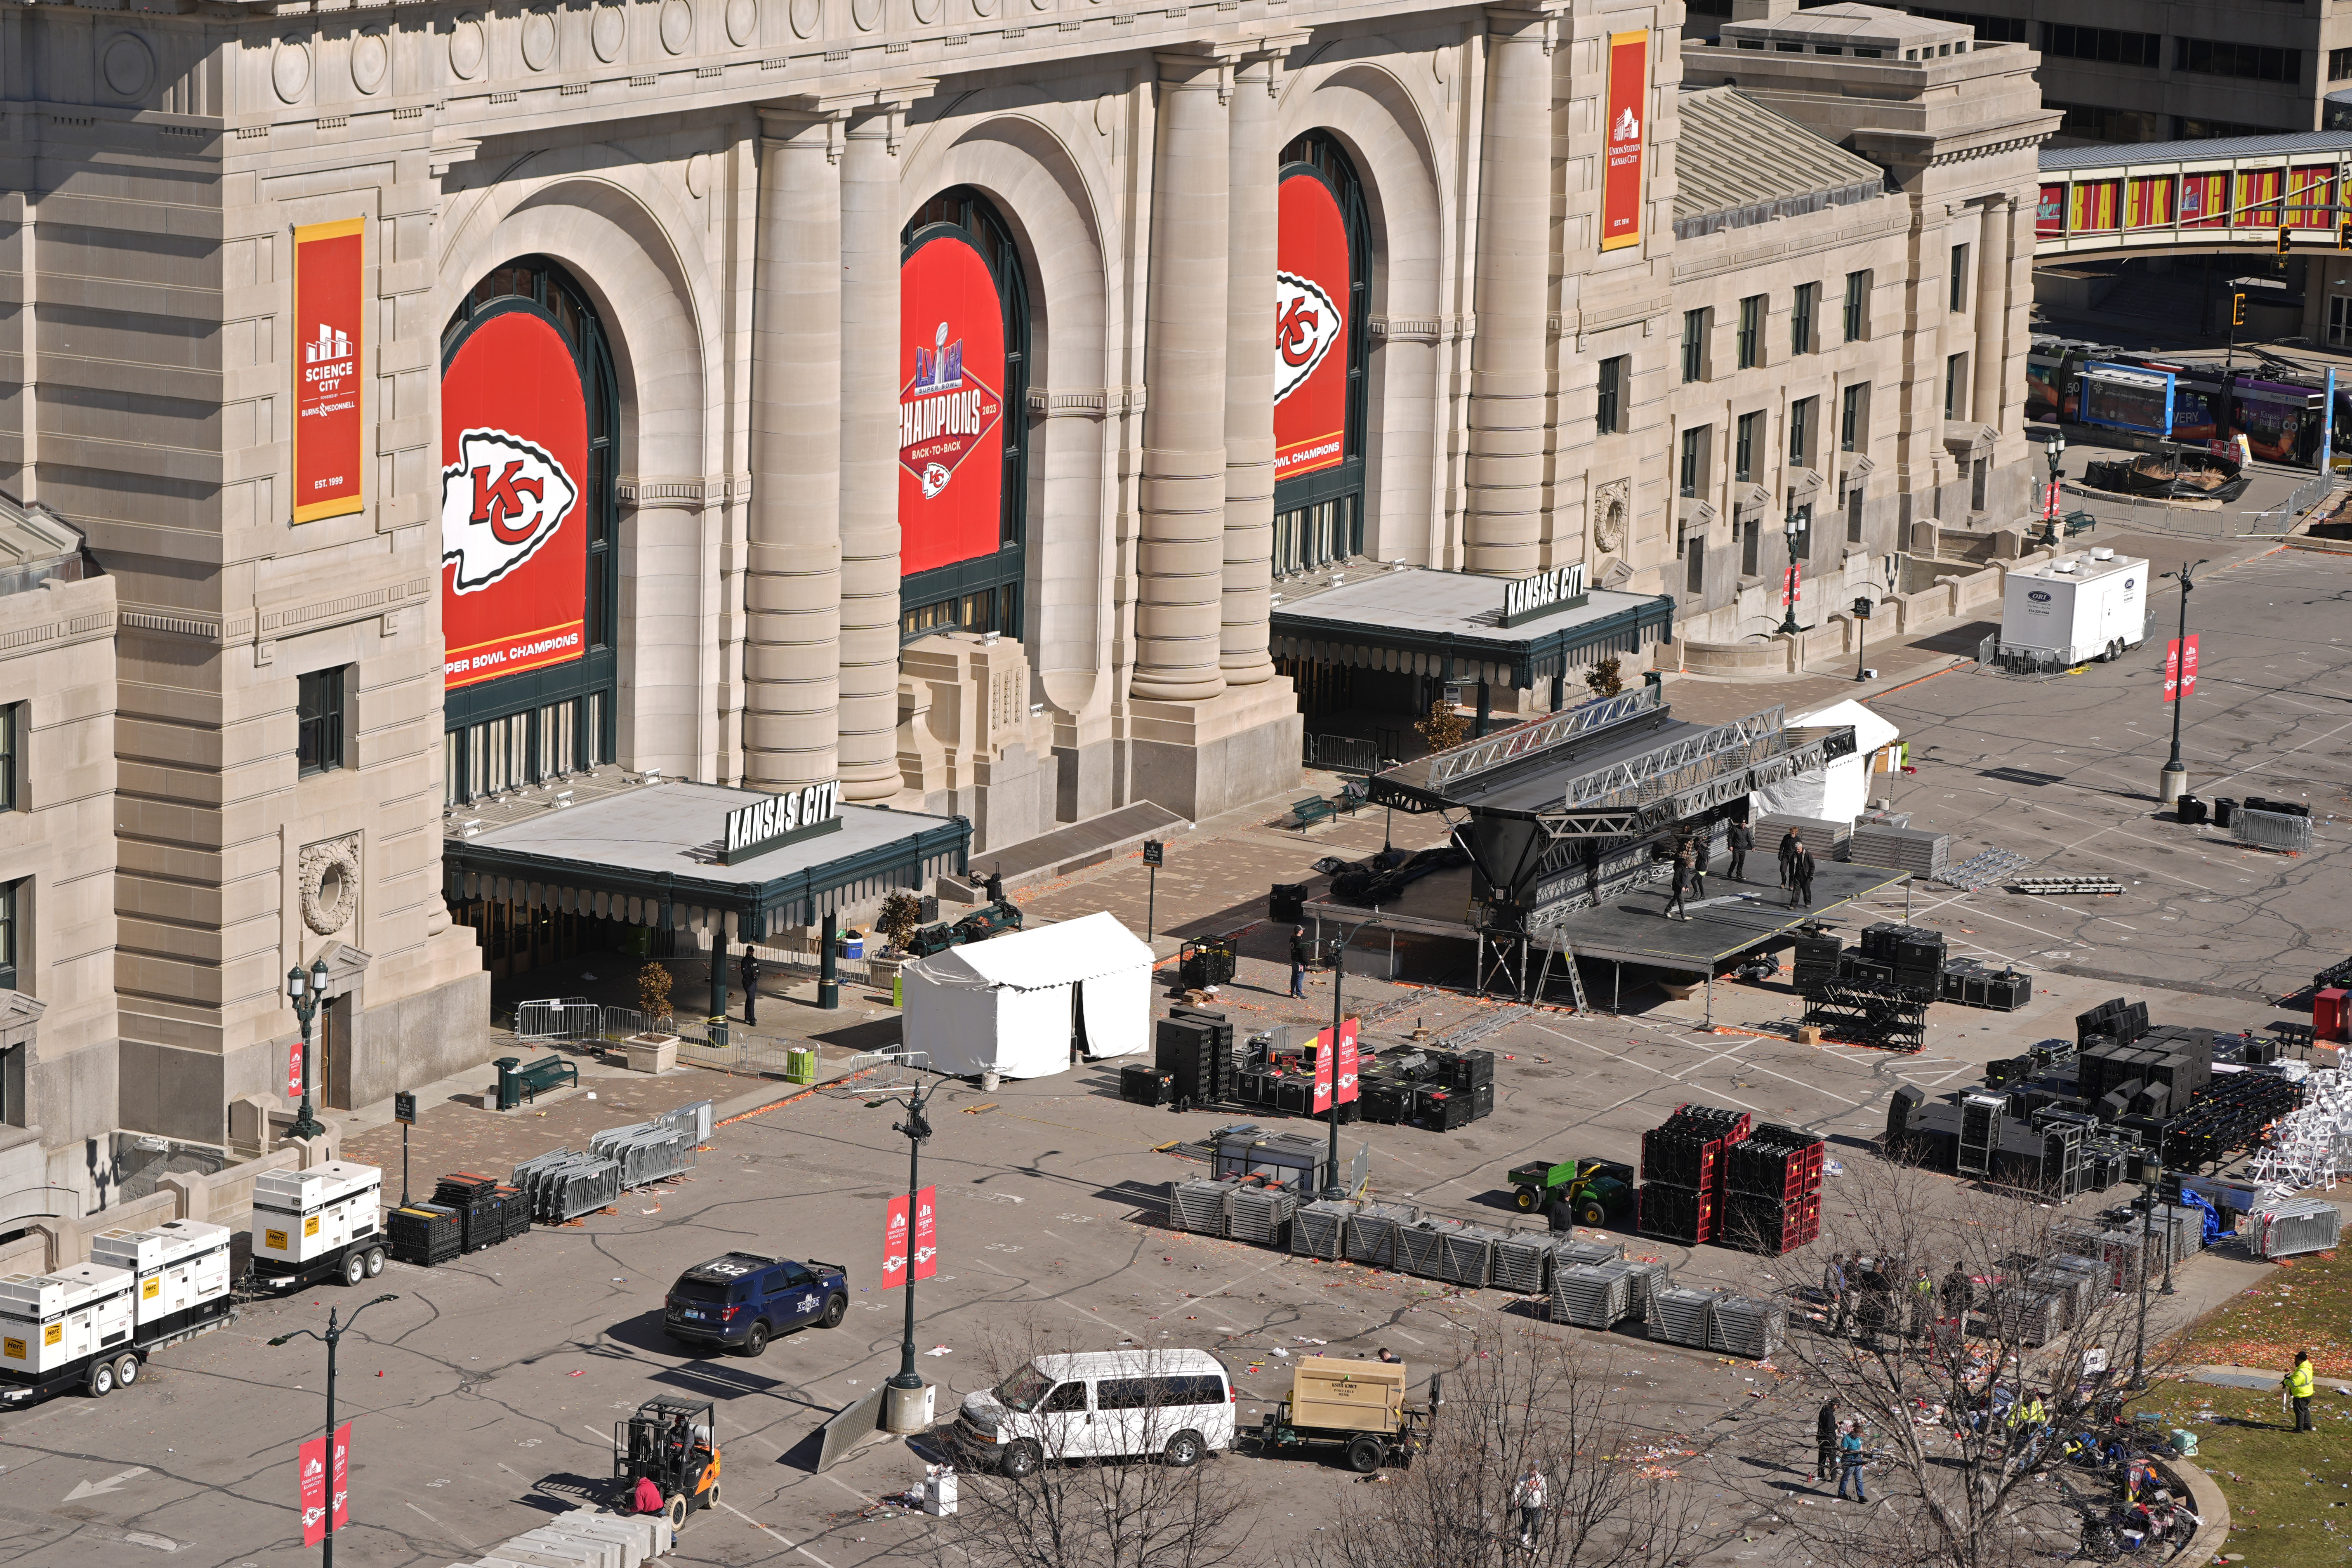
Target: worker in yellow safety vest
2297,1383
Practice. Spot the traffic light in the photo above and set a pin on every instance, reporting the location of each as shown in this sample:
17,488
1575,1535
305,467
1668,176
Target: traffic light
2237,310
2344,235
2285,238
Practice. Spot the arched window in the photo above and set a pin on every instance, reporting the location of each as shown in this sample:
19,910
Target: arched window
964,377
1323,271
529,512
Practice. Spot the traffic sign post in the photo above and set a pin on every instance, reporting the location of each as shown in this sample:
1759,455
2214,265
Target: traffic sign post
1155,854
404,1110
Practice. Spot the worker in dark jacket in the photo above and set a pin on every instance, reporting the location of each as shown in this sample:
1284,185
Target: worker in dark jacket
1790,842
994,887
1299,953
751,973
1825,1442
1741,839
1683,876
1801,876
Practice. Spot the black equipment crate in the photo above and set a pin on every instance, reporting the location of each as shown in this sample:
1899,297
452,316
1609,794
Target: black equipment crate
514,1207
1440,1110
1386,1102
1294,1096
1464,1069
1206,962
424,1234
1287,902
1142,1083
1676,1213
480,1222
1482,1102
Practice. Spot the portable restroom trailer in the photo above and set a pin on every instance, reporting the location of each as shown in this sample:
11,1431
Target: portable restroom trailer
2073,608
72,1327
318,1224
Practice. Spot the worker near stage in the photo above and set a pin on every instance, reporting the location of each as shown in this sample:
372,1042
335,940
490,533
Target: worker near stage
751,973
1298,961
1741,839
1923,1303
1790,842
1801,875
2297,1383
1685,874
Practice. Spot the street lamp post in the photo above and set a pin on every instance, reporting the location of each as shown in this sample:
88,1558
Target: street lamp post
306,992
1861,634
2052,450
902,1408
1332,1189
2151,1174
2173,782
330,1339
1795,528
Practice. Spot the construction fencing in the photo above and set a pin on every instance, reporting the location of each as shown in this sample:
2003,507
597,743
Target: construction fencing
576,1021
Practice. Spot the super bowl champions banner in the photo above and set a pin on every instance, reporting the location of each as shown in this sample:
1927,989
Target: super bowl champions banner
951,406
1311,329
514,456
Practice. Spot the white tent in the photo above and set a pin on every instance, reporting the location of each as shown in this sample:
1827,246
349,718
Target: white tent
1839,791
1014,1004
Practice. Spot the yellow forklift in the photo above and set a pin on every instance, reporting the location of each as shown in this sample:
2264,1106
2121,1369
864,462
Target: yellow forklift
673,1443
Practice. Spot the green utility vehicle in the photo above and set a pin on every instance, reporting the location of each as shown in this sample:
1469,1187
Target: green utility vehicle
1588,1192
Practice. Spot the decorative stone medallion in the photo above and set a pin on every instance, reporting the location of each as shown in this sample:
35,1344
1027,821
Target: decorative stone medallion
742,16
676,26
371,61
806,15
537,40
1612,504
127,65
289,68
607,32
467,48
328,873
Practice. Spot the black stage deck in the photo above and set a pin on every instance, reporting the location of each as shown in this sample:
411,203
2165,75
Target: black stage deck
1631,928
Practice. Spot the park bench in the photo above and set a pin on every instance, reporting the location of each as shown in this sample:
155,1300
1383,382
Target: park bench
2080,522
546,1073
1308,812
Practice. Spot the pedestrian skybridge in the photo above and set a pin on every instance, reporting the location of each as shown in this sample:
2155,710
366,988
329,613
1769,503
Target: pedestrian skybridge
2235,193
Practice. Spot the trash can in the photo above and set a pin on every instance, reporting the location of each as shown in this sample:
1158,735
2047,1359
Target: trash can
2184,1443
509,1085
939,1491
800,1067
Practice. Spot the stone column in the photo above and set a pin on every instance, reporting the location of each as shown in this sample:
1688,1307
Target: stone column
1995,234
1254,216
1506,360
1181,559
870,453
792,678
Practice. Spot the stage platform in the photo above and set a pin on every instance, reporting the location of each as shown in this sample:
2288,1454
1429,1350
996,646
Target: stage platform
1631,927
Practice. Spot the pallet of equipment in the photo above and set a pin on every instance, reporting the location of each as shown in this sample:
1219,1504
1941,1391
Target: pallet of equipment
2081,887
1982,870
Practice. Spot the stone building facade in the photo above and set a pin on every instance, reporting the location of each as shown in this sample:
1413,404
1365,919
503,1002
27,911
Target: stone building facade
929,395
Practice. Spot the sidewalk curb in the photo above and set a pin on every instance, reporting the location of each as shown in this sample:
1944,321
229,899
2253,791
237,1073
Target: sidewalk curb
2211,1507
761,1100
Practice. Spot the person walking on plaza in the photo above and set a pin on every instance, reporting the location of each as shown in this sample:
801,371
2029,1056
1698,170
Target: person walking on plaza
1683,873
1790,842
1527,1497
1850,1462
751,973
1825,1442
1922,1303
1801,876
994,886
1740,838
1298,961
1834,1283
2297,1383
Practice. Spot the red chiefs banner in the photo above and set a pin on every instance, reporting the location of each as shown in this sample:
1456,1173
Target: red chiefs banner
894,1244
1335,1070
927,1233
1323,1055
514,528
312,1462
2180,667
294,1070
951,406
1620,175
1348,1061
1310,337
330,311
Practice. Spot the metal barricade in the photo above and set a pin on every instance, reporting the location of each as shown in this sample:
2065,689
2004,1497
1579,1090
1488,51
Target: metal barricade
2271,829
558,1018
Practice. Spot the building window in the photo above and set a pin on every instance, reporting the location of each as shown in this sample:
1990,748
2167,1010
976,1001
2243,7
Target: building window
2185,129
2339,64
1695,566
1696,325
1854,418
1610,412
1959,278
1743,446
1751,545
2097,123
1857,306
11,894
582,680
12,727
319,710
1751,331
1694,467
1854,515
1801,310
1311,536
2108,45
1801,431
2253,62
1955,387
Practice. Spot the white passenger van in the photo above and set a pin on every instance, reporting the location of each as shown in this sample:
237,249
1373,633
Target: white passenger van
1108,1405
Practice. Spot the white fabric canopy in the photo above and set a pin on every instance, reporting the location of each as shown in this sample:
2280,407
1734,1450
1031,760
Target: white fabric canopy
1838,792
1004,1005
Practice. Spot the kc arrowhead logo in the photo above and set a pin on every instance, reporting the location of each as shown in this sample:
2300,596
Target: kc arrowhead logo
501,500
1306,322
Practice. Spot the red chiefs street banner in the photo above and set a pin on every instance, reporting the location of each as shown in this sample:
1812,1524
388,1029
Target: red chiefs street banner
312,1463
927,1233
894,1244
514,528
1335,1070
1348,1061
1311,329
951,406
294,1070
2180,667
329,312
1620,175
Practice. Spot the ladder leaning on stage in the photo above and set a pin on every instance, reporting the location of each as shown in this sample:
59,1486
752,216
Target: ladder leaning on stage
1560,951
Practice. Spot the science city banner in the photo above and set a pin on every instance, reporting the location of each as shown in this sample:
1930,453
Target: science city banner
950,406
514,530
1311,329
330,312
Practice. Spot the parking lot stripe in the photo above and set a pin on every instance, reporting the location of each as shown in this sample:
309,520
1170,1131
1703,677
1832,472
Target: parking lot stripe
772,1535
438,1525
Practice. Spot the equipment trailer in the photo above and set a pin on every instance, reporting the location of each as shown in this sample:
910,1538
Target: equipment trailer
94,1325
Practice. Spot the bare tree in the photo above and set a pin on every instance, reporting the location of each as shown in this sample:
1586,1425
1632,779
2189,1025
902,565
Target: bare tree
1967,1313
1522,1400
1057,1503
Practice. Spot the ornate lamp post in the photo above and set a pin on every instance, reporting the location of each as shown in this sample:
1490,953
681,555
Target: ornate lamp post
306,991
2052,450
1795,528
2173,782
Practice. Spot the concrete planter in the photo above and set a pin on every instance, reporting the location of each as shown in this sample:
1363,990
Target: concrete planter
650,1052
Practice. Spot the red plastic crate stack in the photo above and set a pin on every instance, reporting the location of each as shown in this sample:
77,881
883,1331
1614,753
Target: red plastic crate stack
1772,1198
1682,1164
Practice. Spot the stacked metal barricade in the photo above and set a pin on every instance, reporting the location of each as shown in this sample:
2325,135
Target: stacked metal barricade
564,1183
